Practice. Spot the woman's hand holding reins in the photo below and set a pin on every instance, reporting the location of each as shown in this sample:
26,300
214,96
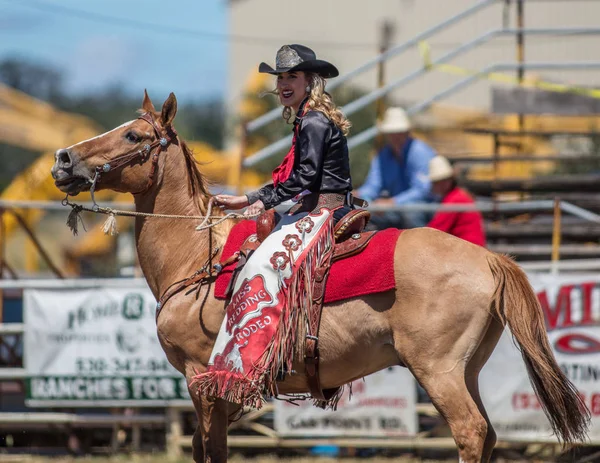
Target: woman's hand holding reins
256,208
231,202
239,202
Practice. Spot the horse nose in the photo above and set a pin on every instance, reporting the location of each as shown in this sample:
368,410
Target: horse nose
64,160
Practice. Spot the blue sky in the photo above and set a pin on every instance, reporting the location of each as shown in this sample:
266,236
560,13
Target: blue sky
102,42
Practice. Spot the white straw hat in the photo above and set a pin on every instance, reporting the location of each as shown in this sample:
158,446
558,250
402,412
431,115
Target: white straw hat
440,169
394,120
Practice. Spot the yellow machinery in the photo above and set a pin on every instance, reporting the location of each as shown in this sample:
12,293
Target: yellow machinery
36,125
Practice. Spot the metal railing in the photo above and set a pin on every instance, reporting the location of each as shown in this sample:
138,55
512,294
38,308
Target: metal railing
392,52
378,93
370,133
480,5
373,96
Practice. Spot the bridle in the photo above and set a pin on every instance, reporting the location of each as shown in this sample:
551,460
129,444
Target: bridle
162,141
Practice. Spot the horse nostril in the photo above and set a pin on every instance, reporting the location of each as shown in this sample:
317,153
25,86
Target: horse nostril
64,158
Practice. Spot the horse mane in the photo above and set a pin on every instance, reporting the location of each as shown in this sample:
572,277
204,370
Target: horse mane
197,182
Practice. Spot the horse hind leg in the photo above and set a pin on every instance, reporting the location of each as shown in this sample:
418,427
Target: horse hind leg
490,437
474,366
451,380
443,372
450,396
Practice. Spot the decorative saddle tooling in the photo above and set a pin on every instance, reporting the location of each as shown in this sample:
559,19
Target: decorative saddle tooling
335,282
346,280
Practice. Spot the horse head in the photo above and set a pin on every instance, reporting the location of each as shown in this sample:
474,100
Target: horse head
123,159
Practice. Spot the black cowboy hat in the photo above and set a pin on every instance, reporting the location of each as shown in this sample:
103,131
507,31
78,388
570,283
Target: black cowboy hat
299,58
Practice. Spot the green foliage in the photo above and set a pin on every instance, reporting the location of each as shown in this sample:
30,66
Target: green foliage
204,121
196,120
37,80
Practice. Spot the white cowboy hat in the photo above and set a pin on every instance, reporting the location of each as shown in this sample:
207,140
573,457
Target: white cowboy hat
394,120
440,169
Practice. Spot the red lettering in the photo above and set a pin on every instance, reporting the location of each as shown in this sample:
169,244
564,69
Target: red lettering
388,402
595,408
576,343
525,401
587,289
562,307
247,299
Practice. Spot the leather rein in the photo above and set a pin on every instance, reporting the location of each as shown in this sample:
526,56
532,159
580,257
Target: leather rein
199,277
162,141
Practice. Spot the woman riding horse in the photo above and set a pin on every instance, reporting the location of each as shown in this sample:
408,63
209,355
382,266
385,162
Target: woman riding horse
450,303
318,159
315,175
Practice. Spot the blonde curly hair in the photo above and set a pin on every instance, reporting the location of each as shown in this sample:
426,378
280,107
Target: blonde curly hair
319,100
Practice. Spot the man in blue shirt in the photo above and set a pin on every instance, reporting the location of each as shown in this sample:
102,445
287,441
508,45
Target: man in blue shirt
399,174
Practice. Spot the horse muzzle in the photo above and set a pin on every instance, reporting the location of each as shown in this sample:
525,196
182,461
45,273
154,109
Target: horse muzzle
69,175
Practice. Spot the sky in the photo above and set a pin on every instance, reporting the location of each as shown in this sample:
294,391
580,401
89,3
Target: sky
178,45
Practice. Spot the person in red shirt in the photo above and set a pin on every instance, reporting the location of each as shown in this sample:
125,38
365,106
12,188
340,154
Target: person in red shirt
467,225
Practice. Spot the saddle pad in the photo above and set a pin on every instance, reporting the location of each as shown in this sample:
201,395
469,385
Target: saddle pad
371,271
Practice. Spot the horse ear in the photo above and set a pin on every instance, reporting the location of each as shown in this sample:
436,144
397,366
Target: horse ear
169,110
147,105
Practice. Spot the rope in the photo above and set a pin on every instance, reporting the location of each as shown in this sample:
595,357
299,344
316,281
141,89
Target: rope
110,225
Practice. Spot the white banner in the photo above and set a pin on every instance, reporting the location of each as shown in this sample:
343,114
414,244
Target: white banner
571,305
96,347
383,404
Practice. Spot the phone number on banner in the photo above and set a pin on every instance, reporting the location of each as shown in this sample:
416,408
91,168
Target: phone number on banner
120,366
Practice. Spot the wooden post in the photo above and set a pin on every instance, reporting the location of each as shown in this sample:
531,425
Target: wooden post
385,40
495,166
174,432
2,260
521,52
136,437
114,438
237,174
136,430
556,236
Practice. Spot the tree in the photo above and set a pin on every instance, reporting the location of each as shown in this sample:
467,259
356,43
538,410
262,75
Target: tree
197,120
37,80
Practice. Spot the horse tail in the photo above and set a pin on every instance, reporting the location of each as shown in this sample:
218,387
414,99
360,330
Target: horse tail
517,305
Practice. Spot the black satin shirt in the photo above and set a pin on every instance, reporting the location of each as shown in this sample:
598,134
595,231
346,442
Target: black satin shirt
321,162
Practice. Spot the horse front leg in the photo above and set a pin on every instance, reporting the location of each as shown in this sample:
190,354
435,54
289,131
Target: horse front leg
209,444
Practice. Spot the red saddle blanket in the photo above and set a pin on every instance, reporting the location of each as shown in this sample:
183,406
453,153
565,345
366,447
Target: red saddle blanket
371,271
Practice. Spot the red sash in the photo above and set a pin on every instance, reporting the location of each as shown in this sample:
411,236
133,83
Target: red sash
282,171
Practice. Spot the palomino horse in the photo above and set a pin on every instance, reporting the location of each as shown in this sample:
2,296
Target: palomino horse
443,320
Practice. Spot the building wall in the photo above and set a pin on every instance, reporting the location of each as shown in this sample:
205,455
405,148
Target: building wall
346,32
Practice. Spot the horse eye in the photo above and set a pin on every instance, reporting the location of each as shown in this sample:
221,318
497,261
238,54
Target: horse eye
132,137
